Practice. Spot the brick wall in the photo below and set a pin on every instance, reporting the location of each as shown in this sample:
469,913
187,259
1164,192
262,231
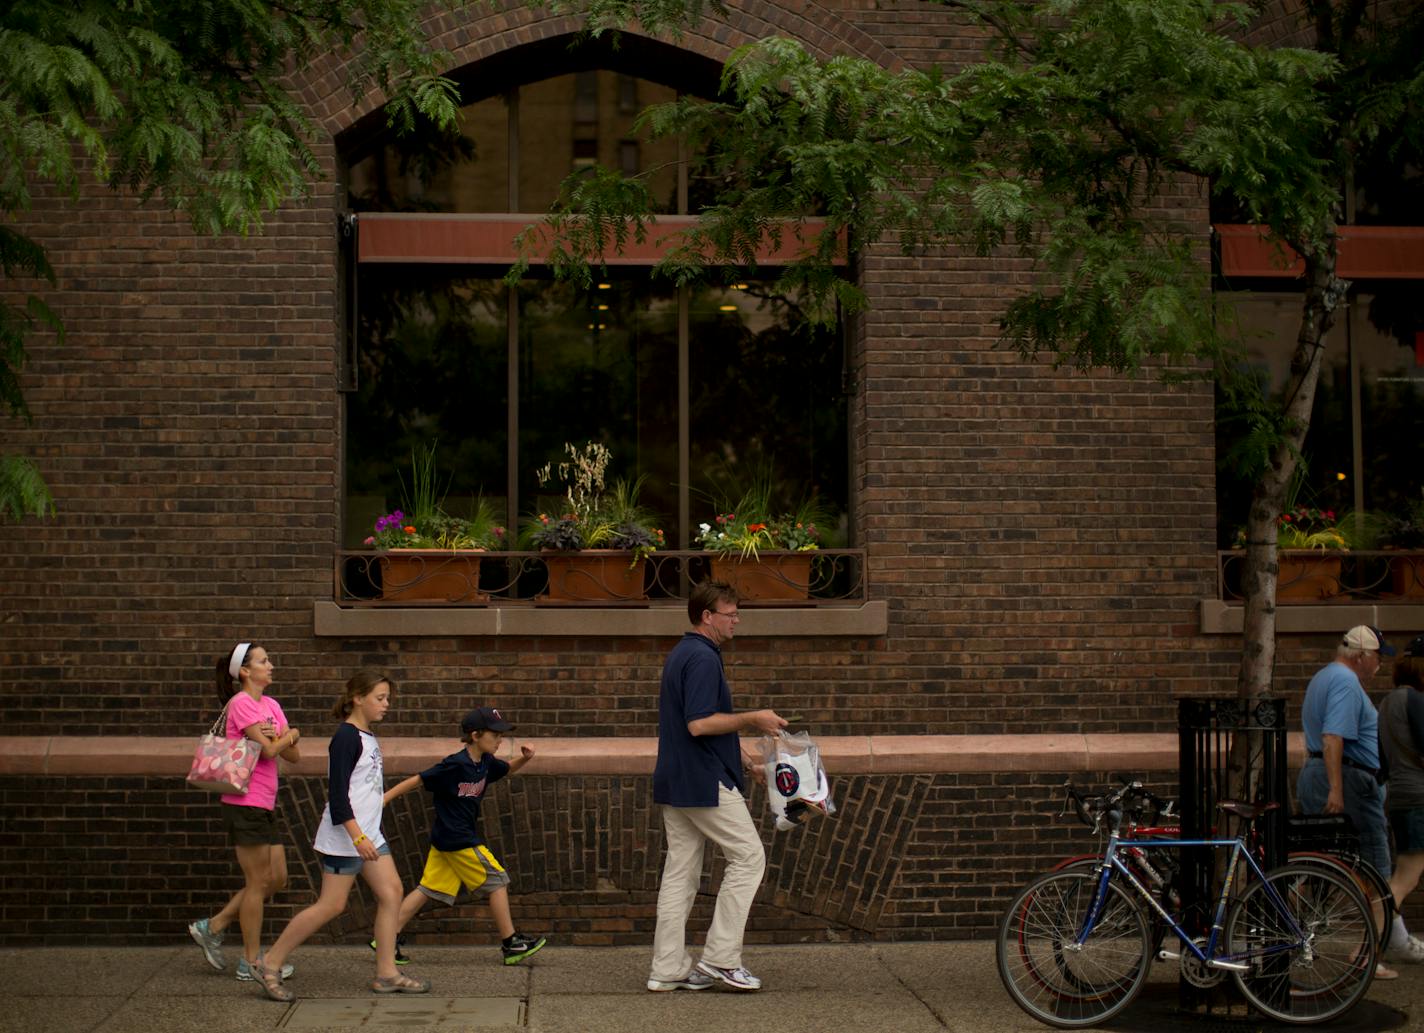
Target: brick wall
908,857
1042,540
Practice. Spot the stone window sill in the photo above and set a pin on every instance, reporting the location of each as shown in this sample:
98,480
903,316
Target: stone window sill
859,620
1220,618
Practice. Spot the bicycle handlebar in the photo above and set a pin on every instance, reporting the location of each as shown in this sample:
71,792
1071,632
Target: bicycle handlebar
1095,811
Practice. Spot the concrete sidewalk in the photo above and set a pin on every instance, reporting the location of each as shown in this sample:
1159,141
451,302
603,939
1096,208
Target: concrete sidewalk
858,988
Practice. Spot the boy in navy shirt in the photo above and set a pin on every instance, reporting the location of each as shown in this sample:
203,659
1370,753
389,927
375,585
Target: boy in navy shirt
458,857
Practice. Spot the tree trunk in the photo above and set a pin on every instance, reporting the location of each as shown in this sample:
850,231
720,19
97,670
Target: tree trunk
1323,295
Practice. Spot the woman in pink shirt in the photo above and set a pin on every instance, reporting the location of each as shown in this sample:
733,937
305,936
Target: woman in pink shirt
251,823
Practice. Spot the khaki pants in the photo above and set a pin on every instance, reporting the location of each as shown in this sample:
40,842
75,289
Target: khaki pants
730,827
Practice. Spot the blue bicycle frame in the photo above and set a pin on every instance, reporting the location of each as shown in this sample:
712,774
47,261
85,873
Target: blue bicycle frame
1208,956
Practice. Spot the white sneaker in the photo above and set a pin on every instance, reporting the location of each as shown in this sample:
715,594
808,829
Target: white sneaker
734,978
1411,952
694,980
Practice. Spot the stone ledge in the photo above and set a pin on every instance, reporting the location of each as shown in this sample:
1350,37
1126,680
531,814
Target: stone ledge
848,755
332,621
1221,618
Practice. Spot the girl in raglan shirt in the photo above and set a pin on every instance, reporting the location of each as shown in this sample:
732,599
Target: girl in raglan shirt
349,842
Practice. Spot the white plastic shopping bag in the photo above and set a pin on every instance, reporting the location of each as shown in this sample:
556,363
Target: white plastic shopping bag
796,783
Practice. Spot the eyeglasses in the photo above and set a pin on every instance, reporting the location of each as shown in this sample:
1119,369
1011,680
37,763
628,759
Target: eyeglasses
728,613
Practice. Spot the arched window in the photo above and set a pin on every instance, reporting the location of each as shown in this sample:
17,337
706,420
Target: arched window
688,386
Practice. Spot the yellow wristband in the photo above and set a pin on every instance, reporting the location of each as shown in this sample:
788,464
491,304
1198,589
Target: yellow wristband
359,840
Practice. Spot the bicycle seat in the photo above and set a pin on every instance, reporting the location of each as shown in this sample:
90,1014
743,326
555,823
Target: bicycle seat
1247,811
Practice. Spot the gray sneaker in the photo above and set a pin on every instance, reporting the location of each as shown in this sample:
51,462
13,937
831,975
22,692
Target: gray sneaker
732,978
244,970
694,980
210,941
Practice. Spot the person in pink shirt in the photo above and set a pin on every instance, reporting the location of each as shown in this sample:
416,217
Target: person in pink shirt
243,678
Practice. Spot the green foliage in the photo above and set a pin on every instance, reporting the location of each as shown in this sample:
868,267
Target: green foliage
184,103
423,523
1062,145
756,509
594,516
23,491
190,102
423,493
1405,530
1065,145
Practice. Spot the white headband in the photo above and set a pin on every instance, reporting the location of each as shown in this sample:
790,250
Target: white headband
238,655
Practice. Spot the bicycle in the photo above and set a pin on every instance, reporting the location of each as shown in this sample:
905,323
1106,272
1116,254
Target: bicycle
1074,947
1159,872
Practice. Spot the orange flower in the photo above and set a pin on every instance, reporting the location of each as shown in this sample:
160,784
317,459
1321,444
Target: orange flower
409,530
754,528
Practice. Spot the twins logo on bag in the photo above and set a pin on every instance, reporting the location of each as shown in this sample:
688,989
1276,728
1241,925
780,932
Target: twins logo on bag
787,780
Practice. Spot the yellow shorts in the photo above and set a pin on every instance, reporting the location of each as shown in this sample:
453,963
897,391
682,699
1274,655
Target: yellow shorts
449,871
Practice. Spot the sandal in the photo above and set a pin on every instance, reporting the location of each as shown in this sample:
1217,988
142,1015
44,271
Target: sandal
400,984
271,982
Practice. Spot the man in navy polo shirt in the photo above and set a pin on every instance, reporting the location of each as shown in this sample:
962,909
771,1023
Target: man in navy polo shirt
698,781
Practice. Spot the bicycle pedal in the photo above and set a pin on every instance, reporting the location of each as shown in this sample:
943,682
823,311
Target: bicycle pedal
1166,955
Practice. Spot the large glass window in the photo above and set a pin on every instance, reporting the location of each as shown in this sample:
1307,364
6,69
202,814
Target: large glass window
600,364
439,349
1364,451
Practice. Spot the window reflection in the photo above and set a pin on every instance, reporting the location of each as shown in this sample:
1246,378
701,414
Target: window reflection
766,400
601,365
573,122
465,172
431,369
1376,333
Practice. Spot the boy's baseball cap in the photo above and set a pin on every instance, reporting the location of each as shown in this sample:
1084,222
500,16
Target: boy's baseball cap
488,719
1362,636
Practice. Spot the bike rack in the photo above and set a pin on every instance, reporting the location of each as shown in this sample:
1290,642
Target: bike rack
1228,749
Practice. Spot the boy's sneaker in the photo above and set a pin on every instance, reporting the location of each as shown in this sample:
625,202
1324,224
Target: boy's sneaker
520,947
210,941
1411,952
733,978
401,959
694,980
244,970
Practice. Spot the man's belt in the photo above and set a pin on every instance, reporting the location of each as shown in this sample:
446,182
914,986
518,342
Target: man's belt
1317,755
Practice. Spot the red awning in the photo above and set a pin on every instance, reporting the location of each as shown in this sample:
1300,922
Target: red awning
1366,252
474,239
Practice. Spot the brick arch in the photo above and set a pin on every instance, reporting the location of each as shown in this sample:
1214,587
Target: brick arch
472,40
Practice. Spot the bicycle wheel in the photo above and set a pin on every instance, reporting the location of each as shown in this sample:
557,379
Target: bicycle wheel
1313,976
1048,974
1368,880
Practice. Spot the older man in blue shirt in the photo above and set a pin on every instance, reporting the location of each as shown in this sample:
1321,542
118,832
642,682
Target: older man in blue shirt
1341,772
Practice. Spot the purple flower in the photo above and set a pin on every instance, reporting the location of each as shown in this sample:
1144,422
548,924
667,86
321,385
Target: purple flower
389,520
